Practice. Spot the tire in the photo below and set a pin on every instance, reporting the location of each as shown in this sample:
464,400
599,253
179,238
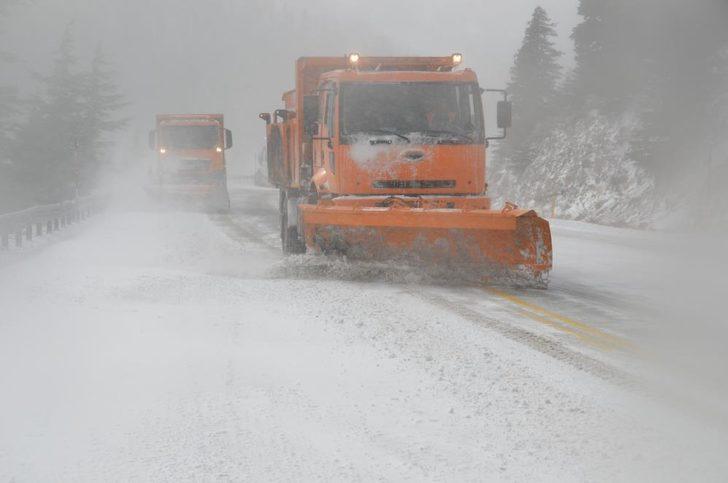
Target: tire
290,239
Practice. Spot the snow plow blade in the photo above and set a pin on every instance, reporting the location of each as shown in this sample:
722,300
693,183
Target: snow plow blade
513,244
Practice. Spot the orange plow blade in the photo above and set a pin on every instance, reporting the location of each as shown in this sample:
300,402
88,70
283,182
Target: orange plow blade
512,243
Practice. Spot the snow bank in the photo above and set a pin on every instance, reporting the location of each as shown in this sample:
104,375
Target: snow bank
584,172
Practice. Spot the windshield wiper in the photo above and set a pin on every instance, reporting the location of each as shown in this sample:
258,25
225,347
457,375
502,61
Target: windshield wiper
450,133
393,133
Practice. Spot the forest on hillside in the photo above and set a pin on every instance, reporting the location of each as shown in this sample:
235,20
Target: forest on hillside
635,134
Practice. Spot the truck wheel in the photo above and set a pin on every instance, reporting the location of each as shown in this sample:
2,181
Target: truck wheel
290,239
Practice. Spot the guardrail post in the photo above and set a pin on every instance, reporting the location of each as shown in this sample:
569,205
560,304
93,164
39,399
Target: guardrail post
26,224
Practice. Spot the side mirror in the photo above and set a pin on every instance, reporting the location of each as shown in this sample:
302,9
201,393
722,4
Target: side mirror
152,140
285,114
505,114
228,139
310,114
265,116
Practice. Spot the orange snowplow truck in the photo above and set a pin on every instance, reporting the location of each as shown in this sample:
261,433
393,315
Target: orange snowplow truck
383,158
190,160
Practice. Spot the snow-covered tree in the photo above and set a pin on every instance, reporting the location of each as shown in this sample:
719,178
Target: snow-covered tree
8,96
59,148
101,102
46,148
533,88
10,197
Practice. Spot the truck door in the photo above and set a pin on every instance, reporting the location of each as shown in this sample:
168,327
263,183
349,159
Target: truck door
324,146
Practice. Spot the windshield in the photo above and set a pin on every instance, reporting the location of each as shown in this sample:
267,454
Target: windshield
430,112
190,137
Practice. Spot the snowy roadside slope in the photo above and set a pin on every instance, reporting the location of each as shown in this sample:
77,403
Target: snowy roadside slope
156,347
584,171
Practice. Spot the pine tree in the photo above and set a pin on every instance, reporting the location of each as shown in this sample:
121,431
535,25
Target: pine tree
46,149
9,109
681,87
101,100
534,86
9,105
609,45
590,49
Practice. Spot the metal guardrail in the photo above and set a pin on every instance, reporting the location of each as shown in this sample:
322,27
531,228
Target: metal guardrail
41,220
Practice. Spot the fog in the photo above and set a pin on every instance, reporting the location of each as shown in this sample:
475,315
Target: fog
236,57
168,312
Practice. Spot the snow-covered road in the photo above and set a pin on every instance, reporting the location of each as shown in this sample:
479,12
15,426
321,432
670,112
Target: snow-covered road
170,345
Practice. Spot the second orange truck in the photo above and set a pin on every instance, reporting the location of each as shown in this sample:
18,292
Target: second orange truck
190,159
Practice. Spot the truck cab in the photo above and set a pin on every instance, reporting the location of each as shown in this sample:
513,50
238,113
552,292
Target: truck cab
395,133
190,158
381,126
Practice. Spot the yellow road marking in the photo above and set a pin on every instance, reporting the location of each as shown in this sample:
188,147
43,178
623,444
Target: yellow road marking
579,329
578,334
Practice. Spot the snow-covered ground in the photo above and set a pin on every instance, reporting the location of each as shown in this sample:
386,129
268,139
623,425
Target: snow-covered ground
163,345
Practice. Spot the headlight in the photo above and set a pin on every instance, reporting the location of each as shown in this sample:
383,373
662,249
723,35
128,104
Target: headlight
162,150
218,149
457,58
353,58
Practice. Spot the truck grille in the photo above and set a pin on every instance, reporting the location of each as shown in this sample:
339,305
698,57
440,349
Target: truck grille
414,184
187,170
190,164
